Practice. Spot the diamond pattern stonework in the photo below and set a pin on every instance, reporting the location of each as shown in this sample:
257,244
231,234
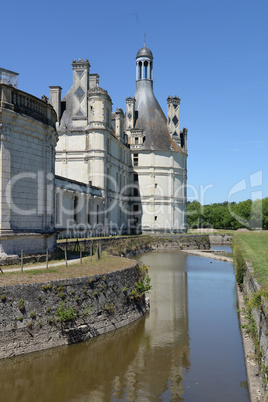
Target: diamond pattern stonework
175,120
80,93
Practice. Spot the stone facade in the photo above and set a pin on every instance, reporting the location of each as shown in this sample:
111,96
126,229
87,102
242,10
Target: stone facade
138,160
27,147
116,173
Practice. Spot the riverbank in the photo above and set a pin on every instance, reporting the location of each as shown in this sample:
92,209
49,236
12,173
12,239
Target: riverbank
209,254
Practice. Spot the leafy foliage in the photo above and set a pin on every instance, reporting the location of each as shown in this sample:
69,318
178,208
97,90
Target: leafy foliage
65,314
226,215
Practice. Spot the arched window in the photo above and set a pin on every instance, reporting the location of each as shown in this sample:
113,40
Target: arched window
140,69
146,69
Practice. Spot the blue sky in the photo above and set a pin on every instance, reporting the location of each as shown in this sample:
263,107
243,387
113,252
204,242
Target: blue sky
213,54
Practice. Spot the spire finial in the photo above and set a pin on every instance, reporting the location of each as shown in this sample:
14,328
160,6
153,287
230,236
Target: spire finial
144,39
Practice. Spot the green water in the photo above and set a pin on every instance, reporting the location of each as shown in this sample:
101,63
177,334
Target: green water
187,348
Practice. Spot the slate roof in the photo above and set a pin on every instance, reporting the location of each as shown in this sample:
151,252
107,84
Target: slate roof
151,119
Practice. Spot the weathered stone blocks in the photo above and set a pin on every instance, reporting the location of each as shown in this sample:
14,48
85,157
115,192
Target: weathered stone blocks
32,315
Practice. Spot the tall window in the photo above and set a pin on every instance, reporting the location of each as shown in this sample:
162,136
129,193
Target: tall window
88,213
75,209
140,68
135,159
135,208
58,209
146,69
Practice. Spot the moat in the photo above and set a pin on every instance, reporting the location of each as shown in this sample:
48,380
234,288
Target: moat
188,347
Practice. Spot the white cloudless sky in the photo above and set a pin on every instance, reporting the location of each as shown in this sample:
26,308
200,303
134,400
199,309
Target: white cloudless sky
213,54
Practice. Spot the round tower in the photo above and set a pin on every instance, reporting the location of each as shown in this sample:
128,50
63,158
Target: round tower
159,162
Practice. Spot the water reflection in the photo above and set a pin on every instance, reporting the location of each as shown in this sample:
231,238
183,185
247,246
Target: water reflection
160,357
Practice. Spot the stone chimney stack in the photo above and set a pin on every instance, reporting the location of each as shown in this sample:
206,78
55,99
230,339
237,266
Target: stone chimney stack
80,88
55,100
119,124
130,113
173,123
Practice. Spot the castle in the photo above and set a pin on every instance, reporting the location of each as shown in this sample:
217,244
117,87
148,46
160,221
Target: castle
71,165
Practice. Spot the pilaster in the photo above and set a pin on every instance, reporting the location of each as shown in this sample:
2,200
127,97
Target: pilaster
5,177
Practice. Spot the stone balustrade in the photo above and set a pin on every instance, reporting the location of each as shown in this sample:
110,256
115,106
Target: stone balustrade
22,102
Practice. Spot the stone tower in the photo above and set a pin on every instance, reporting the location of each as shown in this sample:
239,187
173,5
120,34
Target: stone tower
158,155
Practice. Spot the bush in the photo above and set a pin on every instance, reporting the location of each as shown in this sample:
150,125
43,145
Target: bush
21,305
65,314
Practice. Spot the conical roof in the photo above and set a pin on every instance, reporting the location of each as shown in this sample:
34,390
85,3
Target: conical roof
151,119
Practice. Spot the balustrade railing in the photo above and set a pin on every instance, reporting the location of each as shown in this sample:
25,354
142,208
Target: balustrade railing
28,104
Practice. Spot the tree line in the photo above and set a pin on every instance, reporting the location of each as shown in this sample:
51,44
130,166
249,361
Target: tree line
245,214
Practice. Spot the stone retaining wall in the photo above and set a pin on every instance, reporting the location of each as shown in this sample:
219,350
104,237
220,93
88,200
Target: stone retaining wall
260,314
28,313
131,245
223,239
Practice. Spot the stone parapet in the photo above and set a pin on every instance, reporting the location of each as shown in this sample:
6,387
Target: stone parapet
22,102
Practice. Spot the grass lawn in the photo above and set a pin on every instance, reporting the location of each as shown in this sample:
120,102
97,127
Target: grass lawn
212,231
254,246
104,265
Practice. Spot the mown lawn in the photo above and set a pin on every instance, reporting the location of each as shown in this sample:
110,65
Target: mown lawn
88,268
254,246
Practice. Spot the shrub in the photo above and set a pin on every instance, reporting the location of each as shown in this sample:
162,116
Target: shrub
21,305
30,325
46,287
65,314
62,295
109,308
